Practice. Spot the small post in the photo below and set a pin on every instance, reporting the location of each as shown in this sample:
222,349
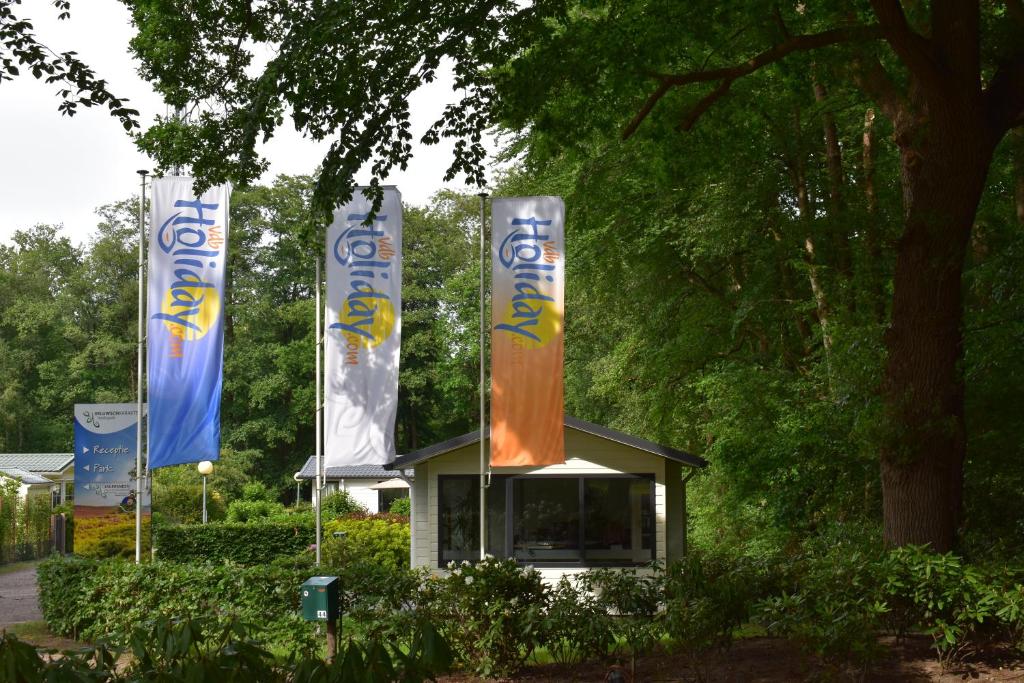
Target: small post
332,639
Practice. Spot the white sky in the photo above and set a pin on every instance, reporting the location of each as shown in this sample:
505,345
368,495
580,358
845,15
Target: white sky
58,170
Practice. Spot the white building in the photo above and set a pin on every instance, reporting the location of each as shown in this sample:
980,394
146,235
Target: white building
41,473
371,486
617,501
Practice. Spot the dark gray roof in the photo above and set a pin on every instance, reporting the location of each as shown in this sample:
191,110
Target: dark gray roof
688,459
37,462
308,471
25,476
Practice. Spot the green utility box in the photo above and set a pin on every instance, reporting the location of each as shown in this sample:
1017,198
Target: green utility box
319,596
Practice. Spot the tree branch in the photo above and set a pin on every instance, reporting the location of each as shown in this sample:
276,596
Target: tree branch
871,77
912,48
727,75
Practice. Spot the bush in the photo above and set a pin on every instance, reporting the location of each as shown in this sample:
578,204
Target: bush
633,597
182,502
110,536
248,510
707,599
257,490
104,599
401,506
339,504
835,613
245,544
490,612
962,607
380,541
207,649
576,627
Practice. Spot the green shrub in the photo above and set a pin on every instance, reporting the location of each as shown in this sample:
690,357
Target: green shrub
110,536
576,627
490,612
707,599
257,490
207,649
339,504
401,506
835,612
960,606
245,544
381,541
104,599
182,501
248,510
633,597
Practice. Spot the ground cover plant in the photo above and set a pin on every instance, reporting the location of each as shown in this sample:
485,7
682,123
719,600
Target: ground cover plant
202,650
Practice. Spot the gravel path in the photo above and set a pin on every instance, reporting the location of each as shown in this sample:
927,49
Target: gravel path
18,593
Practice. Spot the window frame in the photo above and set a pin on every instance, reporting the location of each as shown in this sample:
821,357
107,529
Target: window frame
509,482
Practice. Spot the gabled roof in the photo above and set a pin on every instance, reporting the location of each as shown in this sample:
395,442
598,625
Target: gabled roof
688,459
25,476
308,471
37,462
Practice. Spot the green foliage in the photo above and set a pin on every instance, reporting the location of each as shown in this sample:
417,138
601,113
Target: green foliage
208,649
839,602
962,607
836,613
633,597
339,504
576,627
257,491
105,599
401,506
248,510
491,612
708,599
99,537
245,544
380,541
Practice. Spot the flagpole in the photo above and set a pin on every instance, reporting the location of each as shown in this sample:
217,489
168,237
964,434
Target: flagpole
319,417
138,374
483,420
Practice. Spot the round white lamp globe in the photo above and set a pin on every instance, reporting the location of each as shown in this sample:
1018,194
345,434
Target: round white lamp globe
205,467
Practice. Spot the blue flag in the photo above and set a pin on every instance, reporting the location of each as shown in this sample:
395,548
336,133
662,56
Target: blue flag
185,334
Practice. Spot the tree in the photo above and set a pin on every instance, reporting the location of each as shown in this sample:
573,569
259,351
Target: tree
79,86
948,76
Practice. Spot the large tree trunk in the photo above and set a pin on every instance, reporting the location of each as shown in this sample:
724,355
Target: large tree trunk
923,454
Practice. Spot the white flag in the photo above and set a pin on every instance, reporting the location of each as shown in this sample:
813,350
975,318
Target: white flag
363,331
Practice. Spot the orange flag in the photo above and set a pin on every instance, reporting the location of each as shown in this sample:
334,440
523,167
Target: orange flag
527,338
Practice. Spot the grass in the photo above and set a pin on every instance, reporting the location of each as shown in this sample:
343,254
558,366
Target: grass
36,633
17,566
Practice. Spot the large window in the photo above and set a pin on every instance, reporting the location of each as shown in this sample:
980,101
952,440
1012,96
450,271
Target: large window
553,520
459,518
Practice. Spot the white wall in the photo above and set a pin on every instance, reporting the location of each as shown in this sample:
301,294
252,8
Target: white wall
584,454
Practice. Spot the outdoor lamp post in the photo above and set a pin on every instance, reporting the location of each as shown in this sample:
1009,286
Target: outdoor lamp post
298,488
205,469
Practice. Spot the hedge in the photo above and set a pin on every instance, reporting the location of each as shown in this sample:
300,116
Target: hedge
104,599
384,542
245,544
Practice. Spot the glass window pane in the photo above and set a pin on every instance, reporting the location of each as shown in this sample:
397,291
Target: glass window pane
619,524
496,517
546,520
459,517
